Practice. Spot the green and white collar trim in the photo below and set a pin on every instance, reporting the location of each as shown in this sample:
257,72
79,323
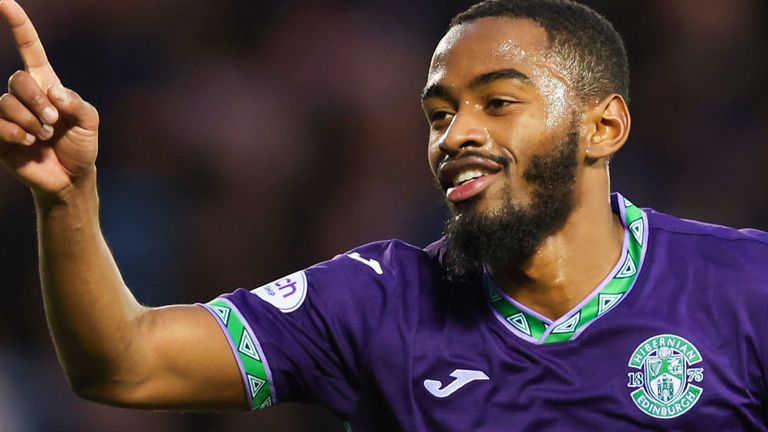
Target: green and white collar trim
538,329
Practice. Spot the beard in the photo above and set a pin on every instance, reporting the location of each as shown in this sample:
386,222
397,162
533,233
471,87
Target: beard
511,234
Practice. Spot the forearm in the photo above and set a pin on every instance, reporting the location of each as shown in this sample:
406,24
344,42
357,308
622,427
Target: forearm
91,313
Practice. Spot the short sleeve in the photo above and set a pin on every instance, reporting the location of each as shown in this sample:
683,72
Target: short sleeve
303,337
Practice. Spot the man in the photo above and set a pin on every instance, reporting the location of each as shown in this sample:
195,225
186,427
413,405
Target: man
549,305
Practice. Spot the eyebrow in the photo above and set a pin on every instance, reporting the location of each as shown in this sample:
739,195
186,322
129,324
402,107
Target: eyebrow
437,90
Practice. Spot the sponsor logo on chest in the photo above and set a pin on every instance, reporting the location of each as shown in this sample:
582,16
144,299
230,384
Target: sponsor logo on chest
667,376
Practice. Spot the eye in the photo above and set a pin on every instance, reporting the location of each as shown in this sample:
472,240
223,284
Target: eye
439,116
496,104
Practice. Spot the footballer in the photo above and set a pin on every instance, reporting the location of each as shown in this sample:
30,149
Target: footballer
549,304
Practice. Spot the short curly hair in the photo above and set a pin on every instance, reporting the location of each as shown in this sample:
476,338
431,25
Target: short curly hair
578,37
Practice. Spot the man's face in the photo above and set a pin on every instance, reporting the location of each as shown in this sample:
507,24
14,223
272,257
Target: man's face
500,110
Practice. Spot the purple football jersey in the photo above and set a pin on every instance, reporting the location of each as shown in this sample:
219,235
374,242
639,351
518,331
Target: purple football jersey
674,338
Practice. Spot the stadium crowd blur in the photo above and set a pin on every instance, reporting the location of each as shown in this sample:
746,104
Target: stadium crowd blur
242,140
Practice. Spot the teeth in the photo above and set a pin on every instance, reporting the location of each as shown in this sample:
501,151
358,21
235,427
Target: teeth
466,176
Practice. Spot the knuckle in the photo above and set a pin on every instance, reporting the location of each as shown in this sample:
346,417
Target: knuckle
15,133
17,74
39,99
15,77
7,102
24,87
27,44
76,96
12,111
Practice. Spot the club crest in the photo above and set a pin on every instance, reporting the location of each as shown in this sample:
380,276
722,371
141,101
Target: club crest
668,378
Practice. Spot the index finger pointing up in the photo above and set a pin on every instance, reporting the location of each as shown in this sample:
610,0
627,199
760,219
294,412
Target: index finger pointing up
27,41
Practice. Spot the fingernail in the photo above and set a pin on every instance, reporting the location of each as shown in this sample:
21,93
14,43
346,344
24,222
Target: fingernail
46,133
59,92
50,115
29,139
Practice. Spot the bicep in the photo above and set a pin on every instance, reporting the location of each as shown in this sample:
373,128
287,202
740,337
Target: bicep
184,361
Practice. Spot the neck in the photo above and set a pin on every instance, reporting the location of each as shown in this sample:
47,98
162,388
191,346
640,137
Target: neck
569,263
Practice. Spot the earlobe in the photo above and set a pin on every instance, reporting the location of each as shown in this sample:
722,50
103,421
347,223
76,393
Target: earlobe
611,125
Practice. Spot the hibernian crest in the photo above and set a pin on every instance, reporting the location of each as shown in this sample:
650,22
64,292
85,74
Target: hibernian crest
669,372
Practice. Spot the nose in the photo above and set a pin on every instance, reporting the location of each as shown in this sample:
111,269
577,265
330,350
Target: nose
464,131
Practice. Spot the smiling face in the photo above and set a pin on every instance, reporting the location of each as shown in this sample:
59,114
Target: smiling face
493,101
504,137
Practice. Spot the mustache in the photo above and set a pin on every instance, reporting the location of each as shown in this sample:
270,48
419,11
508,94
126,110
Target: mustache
501,160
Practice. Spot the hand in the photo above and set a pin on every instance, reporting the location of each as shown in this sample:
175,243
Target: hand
48,134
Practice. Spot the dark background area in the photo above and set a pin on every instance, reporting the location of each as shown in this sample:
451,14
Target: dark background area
242,140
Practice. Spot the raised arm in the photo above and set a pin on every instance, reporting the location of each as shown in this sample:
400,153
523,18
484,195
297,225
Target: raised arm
113,349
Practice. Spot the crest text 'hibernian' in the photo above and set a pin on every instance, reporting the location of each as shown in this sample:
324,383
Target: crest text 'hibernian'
668,368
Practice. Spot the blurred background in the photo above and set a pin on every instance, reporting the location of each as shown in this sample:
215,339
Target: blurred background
242,140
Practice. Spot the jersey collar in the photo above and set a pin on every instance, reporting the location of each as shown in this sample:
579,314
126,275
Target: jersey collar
536,328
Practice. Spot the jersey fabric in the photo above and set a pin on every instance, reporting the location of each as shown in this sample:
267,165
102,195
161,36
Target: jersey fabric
673,339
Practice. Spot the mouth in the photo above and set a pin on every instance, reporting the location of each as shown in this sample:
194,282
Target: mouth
467,177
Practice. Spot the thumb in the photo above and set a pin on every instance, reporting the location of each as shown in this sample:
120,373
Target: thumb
72,108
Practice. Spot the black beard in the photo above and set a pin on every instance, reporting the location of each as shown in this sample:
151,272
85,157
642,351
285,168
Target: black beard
512,234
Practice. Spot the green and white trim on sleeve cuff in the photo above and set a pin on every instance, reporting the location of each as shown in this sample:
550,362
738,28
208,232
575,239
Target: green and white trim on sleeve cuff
257,377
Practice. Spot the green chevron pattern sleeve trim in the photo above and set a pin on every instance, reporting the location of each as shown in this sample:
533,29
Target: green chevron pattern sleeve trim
250,358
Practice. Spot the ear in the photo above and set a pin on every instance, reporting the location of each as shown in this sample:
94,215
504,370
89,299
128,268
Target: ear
608,125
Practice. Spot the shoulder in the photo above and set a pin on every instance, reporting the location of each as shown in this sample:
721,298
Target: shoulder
386,259
366,276
374,271
734,257
748,242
